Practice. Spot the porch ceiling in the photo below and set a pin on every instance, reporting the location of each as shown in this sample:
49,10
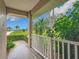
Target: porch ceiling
24,5
37,7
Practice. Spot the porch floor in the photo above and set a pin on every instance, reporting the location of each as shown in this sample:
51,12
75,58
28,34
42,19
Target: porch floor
21,51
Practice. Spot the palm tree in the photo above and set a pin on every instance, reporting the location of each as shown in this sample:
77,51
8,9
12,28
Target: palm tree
40,26
17,27
9,28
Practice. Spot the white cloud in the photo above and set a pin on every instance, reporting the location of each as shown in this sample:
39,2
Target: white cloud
65,7
12,18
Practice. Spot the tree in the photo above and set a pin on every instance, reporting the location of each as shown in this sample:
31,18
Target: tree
67,26
17,27
9,28
35,27
40,26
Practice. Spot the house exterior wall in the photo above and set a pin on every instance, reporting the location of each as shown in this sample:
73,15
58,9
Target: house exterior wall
2,30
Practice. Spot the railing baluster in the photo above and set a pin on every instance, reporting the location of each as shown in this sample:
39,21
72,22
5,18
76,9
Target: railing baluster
51,49
58,50
44,46
76,54
54,49
62,50
36,41
68,51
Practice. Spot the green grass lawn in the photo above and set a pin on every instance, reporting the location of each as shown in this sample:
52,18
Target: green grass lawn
19,33
15,36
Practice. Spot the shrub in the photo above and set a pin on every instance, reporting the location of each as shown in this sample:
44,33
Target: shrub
18,37
10,44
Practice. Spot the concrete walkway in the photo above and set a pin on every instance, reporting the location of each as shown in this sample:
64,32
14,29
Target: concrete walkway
20,51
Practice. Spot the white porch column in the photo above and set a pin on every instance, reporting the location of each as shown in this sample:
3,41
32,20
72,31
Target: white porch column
30,29
2,30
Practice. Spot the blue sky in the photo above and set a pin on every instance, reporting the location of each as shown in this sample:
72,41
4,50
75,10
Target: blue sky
22,22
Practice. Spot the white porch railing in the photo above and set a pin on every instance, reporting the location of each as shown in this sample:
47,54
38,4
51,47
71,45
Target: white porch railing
51,48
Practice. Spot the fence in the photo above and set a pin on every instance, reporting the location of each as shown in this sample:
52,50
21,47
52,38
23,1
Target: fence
51,48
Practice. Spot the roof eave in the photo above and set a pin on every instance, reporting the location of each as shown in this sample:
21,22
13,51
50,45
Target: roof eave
50,5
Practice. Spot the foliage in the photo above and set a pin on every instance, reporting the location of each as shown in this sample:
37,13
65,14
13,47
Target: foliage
40,26
23,30
10,44
9,28
48,32
17,27
20,32
67,26
18,35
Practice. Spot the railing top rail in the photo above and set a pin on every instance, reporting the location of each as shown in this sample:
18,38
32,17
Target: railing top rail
58,39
